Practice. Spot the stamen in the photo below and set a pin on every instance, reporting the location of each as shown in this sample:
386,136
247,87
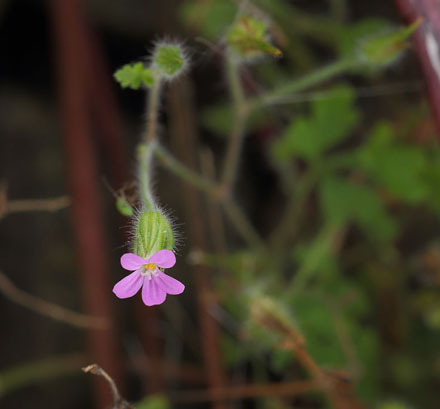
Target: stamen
149,269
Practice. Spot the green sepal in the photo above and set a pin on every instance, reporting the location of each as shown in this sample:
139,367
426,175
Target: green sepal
247,37
153,233
134,75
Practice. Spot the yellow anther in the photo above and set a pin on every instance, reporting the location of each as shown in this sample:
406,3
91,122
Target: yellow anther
150,267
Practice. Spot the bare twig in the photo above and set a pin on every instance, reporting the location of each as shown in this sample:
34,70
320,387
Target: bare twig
8,207
338,389
54,311
118,401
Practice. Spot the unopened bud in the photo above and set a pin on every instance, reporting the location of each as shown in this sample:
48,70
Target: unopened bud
169,60
153,232
248,38
381,50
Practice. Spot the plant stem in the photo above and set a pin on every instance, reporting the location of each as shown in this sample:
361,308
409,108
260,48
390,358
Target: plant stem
290,221
242,224
145,154
234,213
277,95
152,112
185,173
147,148
234,148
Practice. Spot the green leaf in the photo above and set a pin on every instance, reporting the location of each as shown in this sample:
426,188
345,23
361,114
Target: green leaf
331,120
344,201
169,59
247,37
153,402
134,75
398,168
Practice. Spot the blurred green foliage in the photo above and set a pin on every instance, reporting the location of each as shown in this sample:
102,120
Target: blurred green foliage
356,185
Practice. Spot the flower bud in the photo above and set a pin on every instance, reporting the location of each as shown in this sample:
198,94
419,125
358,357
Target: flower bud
124,206
248,38
153,232
381,50
169,60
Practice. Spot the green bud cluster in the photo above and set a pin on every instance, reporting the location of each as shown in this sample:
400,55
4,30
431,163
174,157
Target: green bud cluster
168,61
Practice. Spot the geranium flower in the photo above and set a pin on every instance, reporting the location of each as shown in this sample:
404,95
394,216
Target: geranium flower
148,275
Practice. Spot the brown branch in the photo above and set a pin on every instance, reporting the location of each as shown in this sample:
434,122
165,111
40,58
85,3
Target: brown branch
70,28
118,401
246,391
183,133
8,207
337,387
54,311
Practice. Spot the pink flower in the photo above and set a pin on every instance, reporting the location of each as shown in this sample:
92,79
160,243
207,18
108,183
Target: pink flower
147,274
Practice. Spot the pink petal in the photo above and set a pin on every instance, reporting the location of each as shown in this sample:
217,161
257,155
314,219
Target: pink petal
163,258
169,284
129,285
152,294
131,261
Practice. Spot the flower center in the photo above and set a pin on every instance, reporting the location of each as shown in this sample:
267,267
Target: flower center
150,270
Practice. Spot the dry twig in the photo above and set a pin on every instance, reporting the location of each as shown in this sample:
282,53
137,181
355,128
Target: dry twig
118,401
48,309
8,207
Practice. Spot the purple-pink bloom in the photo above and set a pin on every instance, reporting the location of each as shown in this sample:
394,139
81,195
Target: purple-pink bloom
147,274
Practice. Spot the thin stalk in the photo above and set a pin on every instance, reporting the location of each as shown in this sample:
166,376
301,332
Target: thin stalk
147,148
290,221
234,148
152,112
278,94
242,224
172,164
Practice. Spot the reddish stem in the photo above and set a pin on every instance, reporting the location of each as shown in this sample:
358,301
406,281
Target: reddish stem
427,41
88,225
104,104
183,130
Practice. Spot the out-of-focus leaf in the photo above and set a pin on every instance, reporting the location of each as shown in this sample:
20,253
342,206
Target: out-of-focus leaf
134,75
210,18
220,118
331,120
154,402
398,168
344,201
349,37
